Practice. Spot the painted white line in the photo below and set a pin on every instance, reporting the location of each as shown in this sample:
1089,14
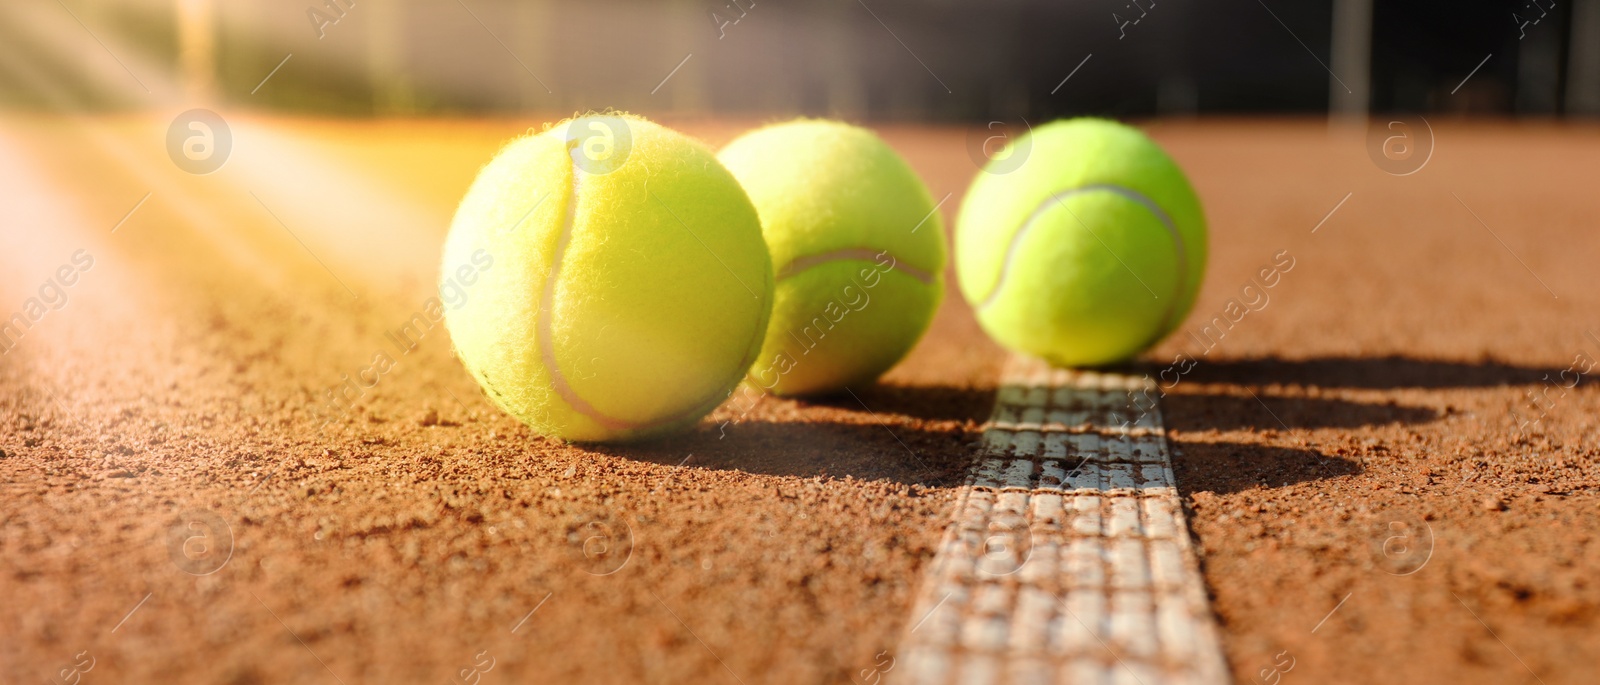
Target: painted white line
1068,558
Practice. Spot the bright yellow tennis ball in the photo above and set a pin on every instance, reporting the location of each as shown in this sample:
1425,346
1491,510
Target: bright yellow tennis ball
629,288
859,251
1089,252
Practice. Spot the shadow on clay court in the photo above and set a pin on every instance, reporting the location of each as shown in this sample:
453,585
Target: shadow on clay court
810,443
940,458
1204,399
933,403
1205,410
1371,373
914,435
1228,467
925,435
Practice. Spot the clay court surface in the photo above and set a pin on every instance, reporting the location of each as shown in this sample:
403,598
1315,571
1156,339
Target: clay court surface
1374,497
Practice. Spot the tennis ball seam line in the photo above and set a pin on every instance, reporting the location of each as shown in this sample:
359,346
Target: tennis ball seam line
547,296
864,254
1179,248
547,354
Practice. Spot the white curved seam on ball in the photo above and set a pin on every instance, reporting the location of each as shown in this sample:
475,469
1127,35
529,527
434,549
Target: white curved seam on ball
547,351
865,254
547,346
1127,193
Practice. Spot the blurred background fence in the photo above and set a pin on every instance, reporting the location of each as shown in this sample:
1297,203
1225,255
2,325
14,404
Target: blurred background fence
935,60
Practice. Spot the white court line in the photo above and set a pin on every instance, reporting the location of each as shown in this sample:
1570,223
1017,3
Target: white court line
1054,574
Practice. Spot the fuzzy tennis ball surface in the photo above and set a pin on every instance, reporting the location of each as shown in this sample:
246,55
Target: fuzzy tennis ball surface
1089,252
630,285
858,248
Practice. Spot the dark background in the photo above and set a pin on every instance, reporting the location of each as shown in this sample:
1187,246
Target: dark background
937,60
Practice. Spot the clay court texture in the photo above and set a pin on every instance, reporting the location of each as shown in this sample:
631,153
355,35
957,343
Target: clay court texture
237,448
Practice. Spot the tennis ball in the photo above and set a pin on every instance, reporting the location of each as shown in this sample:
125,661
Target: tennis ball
859,251
630,285
1089,252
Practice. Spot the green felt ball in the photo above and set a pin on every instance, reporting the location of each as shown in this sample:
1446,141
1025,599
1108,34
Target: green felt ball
858,248
1088,252
630,287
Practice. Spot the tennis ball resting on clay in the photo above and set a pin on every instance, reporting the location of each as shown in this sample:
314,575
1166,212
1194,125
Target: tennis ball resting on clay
858,248
1088,252
631,286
